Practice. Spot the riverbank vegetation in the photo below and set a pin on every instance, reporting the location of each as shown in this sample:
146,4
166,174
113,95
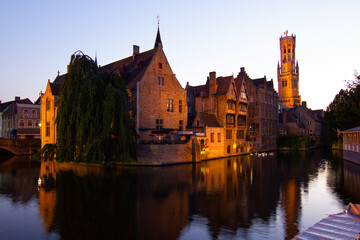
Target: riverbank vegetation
93,120
344,111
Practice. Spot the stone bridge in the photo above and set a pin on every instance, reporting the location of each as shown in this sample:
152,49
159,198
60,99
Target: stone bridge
20,146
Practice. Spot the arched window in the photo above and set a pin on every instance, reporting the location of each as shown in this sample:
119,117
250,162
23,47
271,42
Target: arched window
29,123
33,113
26,113
228,149
22,123
37,123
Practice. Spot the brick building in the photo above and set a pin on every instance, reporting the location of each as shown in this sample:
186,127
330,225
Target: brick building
20,119
220,108
157,100
263,125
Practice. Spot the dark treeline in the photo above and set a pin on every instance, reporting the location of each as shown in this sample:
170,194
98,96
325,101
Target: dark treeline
344,111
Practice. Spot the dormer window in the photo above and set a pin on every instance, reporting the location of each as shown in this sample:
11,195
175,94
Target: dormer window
160,66
243,95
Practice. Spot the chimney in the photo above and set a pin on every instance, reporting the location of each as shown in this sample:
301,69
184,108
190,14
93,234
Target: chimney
17,99
242,69
136,50
303,103
0,101
212,83
68,68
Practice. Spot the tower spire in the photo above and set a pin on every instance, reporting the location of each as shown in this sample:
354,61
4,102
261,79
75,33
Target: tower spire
158,38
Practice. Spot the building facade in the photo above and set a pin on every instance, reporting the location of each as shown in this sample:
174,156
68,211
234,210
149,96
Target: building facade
20,119
225,102
288,73
351,144
263,121
157,100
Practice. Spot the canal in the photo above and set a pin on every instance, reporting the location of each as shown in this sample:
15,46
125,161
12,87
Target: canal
245,197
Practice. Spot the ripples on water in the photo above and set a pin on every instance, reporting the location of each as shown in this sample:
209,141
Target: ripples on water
244,197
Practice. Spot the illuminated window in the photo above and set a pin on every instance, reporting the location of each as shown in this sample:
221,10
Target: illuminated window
230,119
231,105
160,81
47,104
47,133
212,137
170,105
240,134
243,95
180,106
228,134
159,124
26,113
22,123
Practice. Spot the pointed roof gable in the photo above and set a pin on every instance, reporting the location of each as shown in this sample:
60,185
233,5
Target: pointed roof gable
158,39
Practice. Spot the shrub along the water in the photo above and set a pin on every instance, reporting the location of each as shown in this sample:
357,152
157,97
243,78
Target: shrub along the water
93,120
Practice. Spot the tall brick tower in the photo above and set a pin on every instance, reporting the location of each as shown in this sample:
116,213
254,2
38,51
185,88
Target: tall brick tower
288,73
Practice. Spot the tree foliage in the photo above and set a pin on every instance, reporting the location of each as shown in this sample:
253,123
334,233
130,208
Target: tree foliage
93,121
344,111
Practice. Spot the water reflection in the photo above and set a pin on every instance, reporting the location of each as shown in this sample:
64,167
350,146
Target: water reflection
243,197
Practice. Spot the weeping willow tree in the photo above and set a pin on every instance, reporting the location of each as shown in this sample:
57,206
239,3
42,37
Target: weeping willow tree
93,120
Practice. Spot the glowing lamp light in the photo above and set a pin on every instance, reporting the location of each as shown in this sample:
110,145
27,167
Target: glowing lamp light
234,145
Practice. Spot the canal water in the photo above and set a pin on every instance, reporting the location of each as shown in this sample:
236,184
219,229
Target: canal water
246,197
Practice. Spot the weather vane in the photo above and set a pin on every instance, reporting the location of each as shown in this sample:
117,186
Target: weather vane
158,19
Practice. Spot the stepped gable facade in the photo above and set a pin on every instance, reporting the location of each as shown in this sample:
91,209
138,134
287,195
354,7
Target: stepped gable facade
263,125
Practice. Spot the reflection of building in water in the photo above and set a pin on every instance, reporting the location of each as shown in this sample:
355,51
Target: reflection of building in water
133,203
47,205
16,178
233,192
352,180
295,176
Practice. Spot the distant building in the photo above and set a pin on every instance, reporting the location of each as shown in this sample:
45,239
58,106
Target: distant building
351,144
262,124
302,121
288,73
219,108
157,100
20,119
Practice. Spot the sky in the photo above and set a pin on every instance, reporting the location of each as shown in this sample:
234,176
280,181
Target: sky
38,38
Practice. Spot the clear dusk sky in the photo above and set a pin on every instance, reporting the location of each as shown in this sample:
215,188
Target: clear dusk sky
38,37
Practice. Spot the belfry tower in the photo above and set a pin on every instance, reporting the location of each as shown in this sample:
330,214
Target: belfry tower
288,73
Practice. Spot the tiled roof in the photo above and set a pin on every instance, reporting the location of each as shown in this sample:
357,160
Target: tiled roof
131,69
355,129
55,88
209,120
223,85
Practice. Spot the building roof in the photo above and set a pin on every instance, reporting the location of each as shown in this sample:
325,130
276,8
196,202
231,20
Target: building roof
223,85
5,105
131,69
355,129
209,120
